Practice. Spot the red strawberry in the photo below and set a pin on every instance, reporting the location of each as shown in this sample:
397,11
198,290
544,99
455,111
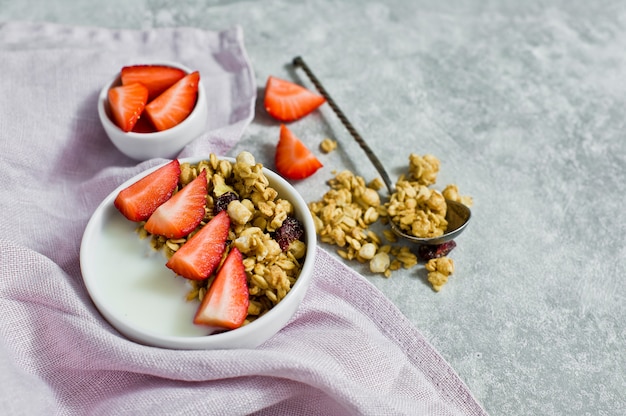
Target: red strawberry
226,302
293,159
202,253
287,101
175,104
139,200
126,103
157,78
182,213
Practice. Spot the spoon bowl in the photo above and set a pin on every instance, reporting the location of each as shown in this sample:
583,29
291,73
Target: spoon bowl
457,214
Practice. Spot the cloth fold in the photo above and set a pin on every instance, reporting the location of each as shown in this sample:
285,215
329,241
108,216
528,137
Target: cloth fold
348,350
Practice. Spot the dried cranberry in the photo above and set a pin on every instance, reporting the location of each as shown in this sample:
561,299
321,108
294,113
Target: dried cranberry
289,231
222,201
427,252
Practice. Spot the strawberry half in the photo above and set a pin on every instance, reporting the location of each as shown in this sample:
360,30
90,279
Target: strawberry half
126,103
182,213
156,78
202,253
293,159
287,101
139,200
175,104
225,304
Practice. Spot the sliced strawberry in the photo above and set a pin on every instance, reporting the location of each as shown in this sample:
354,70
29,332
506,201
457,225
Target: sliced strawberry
126,103
287,101
225,304
157,78
202,253
293,159
182,213
139,200
175,104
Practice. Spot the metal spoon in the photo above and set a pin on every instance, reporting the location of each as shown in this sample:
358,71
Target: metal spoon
457,214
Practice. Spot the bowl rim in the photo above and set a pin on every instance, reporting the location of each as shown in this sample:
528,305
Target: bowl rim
164,135
235,338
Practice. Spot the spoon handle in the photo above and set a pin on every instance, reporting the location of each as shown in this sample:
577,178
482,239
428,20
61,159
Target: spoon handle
299,62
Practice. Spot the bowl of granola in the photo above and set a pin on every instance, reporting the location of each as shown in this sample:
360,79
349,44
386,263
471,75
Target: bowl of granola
153,110
200,253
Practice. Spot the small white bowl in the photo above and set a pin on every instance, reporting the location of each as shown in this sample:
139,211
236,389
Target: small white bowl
145,301
163,144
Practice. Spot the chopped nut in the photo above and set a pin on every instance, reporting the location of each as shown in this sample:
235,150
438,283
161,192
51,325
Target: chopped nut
380,262
367,251
370,197
245,158
238,212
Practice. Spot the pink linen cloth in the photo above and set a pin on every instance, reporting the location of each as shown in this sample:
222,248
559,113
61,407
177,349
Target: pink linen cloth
347,351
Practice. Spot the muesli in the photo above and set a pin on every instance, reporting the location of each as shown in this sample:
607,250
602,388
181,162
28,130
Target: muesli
347,214
263,228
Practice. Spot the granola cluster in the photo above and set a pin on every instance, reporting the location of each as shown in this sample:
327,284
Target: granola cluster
416,208
438,271
328,145
257,212
347,214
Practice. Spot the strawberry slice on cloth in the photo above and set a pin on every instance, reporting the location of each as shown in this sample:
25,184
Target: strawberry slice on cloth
287,101
182,213
138,201
226,302
202,253
127,102
156,78
175,104
293,159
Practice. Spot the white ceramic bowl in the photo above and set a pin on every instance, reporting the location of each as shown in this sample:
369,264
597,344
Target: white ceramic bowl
163,144
145,301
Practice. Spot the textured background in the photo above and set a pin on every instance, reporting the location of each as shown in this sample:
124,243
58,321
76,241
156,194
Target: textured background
524,106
